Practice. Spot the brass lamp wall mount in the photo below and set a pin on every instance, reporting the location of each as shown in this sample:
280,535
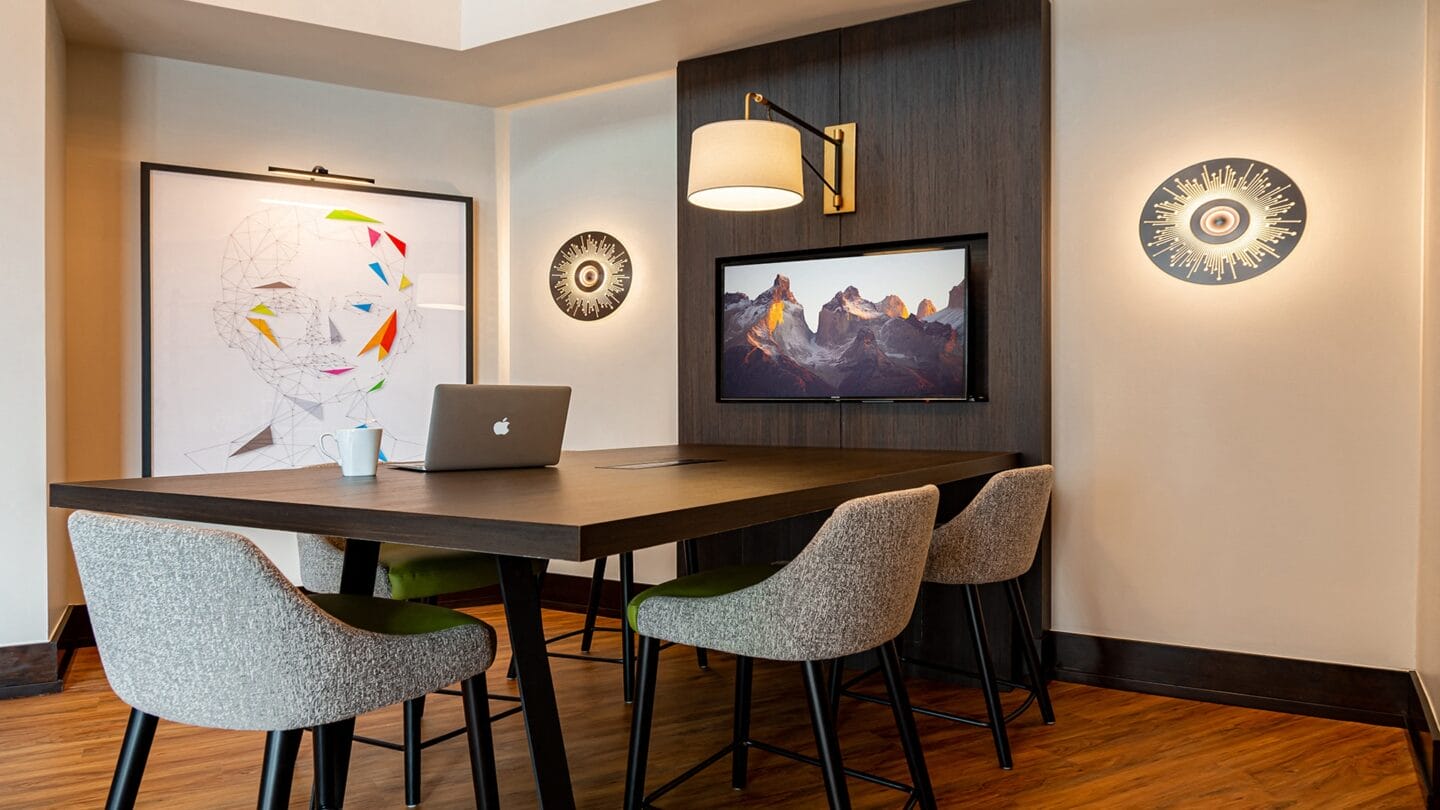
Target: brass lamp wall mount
757,165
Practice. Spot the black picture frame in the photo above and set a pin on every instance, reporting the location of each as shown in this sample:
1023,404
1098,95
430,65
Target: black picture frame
146,348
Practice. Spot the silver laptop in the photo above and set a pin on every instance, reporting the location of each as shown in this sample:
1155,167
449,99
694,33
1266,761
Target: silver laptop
489,427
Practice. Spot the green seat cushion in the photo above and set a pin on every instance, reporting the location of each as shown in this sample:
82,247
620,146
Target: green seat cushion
716,582
389,616
417,572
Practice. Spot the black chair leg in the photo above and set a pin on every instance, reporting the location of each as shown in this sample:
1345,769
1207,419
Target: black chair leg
740,736
482,744
981,644
692,566
278,770
905,722
130,766
322,744
627,634
640,724
342,738
825,738
414,710
1032,658
592,610
837,676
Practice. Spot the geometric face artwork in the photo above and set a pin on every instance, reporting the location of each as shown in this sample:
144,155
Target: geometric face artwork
590,275
280,310
1222,221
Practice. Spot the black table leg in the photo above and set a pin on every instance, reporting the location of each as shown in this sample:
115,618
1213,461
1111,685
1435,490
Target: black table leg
537,692
357,576
627,633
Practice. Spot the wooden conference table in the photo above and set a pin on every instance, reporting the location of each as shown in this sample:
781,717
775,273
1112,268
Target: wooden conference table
582,509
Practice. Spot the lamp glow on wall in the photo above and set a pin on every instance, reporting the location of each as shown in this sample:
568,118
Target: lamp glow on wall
757,165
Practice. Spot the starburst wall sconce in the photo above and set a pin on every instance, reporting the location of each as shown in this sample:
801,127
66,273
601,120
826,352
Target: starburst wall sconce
590,275
1222,221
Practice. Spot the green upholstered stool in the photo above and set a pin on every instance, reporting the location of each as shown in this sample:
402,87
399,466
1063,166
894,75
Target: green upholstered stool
715,582
389,616
416,572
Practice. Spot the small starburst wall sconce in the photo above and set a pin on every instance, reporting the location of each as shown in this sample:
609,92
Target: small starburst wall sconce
1222,221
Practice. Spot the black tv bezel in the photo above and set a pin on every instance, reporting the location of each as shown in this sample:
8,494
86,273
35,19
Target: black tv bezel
966,243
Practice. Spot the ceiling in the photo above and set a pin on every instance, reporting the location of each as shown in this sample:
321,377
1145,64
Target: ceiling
490,52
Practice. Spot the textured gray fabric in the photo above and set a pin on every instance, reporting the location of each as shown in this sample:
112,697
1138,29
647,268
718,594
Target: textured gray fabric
851,589
994,539
198,626
321,559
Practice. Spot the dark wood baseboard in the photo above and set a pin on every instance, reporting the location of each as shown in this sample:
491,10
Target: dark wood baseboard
1424,736
39,668
566,592
29,669
1336,691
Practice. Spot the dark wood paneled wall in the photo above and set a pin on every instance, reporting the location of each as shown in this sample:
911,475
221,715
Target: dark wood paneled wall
952,114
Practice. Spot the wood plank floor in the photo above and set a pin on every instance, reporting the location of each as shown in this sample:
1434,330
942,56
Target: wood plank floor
1110,749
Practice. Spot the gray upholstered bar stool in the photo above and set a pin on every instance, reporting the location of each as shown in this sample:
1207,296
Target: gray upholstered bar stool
197,626
993,540
851,590
411,573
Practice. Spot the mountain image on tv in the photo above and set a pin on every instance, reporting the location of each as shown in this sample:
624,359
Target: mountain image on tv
862,347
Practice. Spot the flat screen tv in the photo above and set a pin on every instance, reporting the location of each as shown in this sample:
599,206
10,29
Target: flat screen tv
878,323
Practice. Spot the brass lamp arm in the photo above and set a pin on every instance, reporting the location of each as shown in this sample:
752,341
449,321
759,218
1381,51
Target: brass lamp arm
805,125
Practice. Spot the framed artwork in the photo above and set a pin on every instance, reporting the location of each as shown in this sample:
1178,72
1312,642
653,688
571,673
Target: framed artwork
275,310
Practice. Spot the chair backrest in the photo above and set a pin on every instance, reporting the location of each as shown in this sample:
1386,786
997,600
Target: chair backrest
197,626
851,589
995,537
322,558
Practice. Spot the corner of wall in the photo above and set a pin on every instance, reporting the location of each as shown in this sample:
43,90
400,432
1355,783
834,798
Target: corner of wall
502,245
1427,620
60,564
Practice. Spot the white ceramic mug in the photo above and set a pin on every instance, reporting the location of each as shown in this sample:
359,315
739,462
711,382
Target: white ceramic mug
358,450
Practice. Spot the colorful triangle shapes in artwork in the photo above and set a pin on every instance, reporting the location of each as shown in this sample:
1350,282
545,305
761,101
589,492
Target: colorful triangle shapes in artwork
336,372
350,216
374,236
276,285
376,387
384,338
399,245
363,307
379,271
261,309
405,282
264,329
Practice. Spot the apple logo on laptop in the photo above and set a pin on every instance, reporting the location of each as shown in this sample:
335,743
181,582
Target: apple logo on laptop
502,427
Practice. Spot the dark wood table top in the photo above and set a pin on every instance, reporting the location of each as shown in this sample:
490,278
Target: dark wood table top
577,510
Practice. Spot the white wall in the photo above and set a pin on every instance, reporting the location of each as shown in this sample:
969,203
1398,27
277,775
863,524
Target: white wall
128,108
602,161
32,403
1427,627
1237,465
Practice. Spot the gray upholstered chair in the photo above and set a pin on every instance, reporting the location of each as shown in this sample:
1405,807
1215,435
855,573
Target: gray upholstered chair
197,626
412,573
851,590
419,573
993,540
